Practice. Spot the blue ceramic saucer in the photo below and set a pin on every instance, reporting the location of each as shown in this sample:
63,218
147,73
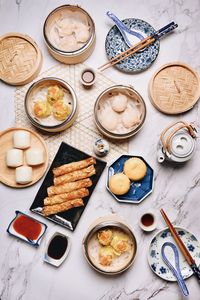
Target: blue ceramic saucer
140,61
139,190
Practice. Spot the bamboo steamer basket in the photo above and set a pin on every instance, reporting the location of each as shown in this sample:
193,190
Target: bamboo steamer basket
174,88
72,57
21,59
45,82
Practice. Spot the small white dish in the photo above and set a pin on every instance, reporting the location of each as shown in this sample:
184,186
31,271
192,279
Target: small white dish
148,222
57,249
88,77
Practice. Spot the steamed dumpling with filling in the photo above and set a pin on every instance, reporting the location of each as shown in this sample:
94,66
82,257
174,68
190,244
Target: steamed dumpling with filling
68,43
109,118
42,109
130,117
105,236
120,243
82,33
119,102
106,255
54,93
61,110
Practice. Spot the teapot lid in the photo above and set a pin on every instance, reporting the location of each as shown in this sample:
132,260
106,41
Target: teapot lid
182,144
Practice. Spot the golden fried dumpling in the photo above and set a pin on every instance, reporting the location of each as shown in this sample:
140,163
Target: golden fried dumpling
42,109
54,94
120,243
61,110
106,255
105,236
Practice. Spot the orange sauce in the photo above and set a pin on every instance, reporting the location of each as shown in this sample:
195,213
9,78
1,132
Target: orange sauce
27,227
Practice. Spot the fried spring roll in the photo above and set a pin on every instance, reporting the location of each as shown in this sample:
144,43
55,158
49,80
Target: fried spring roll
54,209
68,187
77,165
75,175
81,193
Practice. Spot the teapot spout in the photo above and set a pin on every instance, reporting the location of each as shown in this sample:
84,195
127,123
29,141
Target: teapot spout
160,156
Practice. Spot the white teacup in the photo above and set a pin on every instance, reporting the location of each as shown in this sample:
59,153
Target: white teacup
148,222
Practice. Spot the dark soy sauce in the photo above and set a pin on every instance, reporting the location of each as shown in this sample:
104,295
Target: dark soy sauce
57,247
147,220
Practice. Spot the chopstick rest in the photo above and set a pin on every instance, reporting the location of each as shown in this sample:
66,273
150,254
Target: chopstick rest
175,270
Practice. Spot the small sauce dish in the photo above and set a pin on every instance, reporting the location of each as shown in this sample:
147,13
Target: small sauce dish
148,222
57,249
88,77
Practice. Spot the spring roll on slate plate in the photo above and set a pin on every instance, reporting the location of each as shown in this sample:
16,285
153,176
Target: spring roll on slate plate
56,199
68,187
54,209
67,168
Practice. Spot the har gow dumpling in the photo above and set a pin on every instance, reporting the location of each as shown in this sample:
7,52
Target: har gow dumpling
109,119
68,43
82,33
130,117
119,102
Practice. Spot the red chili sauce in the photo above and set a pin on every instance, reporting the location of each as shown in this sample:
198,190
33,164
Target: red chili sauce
27,227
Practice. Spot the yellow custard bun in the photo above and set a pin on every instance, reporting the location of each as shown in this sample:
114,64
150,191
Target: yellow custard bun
55,93
119,184
135,168
61,110
42,109
106,255
105,237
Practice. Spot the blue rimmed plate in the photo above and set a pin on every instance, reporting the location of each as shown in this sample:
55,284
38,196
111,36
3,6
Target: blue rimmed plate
139,190
140,61
156,262
26,223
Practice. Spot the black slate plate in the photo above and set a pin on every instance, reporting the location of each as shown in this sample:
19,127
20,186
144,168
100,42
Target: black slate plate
66,154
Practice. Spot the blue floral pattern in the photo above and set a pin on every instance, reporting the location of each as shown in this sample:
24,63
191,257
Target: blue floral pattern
140,61
155,259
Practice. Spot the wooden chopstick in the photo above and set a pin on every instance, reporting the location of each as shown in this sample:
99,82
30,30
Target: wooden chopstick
176,237
142,44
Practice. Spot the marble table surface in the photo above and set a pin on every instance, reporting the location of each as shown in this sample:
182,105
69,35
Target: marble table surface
23,274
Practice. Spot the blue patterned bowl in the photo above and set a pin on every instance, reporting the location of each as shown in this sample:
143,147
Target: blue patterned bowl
140,61
139,190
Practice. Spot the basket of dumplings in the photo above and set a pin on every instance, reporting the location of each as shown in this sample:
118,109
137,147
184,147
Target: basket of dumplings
69,33
51,104
119,112
110,245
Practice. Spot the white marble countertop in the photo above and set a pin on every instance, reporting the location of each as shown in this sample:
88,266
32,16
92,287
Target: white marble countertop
24,275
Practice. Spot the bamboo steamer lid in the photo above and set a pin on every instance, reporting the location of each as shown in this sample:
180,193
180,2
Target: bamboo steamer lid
20,59
174,88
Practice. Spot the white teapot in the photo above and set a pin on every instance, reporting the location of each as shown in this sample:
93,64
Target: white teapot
177,142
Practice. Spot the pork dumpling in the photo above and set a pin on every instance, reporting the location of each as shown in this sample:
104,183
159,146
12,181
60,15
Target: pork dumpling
34,157
105,236
61,110
106,255
68,43
23,175
21,139
119,102
54,93
14,158
42,109
120,243
130,117
109,119
82,33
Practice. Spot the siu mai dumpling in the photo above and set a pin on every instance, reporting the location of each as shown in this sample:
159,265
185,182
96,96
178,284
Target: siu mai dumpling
109,118
119,102
120,243
105,237
42,109
54,93
130,117
106,255
61,110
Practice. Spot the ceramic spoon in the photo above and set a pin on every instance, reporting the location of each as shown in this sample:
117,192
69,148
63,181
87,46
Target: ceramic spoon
125,31
175,270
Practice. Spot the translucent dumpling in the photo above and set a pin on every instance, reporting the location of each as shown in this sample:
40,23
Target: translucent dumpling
130,117
82,33
119,102
68,43
109,118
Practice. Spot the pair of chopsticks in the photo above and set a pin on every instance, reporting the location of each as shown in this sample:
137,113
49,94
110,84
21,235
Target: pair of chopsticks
182,247
139,46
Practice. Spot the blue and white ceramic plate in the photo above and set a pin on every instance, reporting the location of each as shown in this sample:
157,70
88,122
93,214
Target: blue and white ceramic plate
139,190
140,61
155,259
